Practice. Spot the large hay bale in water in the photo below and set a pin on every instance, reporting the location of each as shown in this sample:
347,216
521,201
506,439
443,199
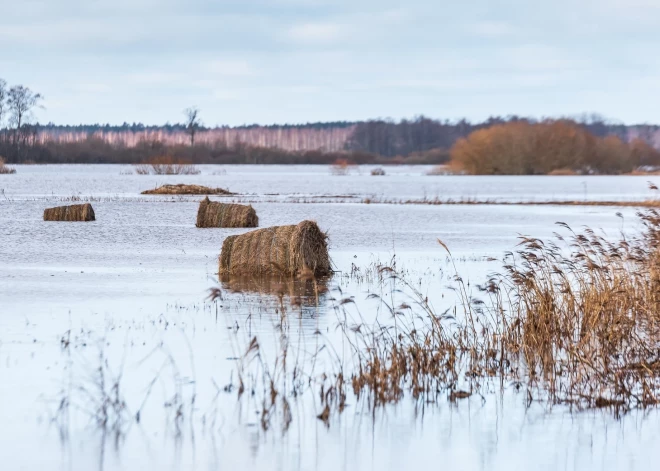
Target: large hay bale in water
76,212
280,250
213,214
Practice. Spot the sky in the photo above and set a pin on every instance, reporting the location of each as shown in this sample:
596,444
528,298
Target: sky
296,61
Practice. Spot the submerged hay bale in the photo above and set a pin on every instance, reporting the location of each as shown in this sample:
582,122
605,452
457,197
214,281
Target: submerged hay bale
182,189
76,212
213,214
280,250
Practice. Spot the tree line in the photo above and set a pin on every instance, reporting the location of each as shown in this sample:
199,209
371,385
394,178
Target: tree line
509,144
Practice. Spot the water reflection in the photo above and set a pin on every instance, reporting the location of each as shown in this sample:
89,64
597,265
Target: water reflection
305,293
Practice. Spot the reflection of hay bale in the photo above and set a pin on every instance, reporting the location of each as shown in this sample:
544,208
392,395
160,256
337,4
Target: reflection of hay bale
212,214
76,212
280,250
308,289
182,189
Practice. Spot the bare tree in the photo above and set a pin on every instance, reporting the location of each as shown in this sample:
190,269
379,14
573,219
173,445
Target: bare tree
20,102
3,99
3,112
192,123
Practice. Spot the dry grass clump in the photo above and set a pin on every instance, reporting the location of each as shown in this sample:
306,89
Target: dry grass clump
563,172
342,167
76,212
378,172
214,214
166,166
5,170
296,250
182,189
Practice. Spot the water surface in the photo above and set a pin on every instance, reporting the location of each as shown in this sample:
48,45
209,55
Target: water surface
129,289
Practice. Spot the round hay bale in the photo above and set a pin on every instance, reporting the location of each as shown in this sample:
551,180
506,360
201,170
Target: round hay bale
72,213
299,250
213,214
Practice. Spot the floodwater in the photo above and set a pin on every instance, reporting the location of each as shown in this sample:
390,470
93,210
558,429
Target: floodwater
125,296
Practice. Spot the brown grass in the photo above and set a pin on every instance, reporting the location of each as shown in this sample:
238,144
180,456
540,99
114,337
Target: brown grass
76,212
563,172
573,321
166,165
182,189
4,170
650,203
299,250
214,214
342,167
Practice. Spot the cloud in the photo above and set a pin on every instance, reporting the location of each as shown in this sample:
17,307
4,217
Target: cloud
291,60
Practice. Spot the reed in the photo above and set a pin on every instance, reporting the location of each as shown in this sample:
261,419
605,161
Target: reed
573,321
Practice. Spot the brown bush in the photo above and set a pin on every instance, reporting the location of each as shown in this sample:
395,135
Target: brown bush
524,148
166,165
4,169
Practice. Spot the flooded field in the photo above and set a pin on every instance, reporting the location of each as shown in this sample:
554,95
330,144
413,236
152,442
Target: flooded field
113,357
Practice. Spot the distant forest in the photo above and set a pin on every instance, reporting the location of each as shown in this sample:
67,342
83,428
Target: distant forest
419,140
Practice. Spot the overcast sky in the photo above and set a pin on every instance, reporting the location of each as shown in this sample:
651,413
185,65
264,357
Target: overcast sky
283,61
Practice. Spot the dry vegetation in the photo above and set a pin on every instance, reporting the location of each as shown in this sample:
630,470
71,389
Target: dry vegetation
564,147
378,172
182,189
76,212
342,167
166,165
572,321
649,203
4,169
214,214
296,250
